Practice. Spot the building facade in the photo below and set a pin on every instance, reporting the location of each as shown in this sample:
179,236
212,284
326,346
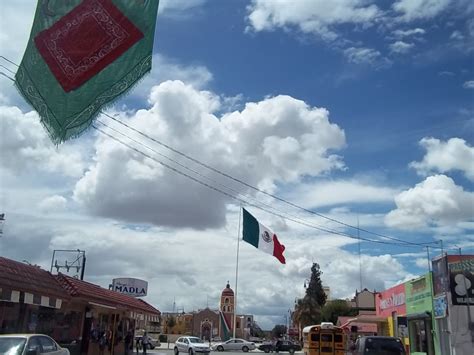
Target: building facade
75,313
211,324
453,302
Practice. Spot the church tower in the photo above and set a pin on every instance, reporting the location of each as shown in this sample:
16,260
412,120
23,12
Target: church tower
227,305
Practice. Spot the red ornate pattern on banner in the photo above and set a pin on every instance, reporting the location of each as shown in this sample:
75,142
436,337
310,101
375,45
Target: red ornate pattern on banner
85,41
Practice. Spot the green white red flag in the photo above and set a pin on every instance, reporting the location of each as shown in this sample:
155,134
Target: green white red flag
261,237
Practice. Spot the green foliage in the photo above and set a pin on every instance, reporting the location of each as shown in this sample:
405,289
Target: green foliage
336,308
170,322
163,338
279,330
315,288
308,309
256,331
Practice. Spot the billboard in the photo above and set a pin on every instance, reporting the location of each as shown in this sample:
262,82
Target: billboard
440,275
461,279
130,287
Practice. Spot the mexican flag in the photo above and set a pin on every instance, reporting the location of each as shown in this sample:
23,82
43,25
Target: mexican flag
261,237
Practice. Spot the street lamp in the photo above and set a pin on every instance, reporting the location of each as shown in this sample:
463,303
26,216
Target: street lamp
306,283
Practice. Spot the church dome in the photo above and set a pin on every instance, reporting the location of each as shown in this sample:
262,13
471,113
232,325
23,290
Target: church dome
227,291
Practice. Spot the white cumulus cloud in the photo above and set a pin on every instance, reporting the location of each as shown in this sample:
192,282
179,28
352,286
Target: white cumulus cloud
453,154
436,201
468,84
25,145
310,16
54,203
409,32
401,47
278,139
419,9
362,55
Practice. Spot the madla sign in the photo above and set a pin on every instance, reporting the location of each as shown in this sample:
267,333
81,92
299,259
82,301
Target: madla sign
129,286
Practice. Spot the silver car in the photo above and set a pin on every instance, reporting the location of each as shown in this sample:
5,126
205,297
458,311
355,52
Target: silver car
191,345
235,344
30,344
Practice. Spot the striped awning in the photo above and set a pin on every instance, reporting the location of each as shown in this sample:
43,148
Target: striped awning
143,316
15,296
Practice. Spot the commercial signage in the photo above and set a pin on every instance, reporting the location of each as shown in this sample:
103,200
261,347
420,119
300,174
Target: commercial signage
129,286
440,275
419,295
461,279
440,306
391,300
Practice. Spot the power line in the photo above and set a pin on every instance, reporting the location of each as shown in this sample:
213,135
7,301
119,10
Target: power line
243,201
401,242
257,189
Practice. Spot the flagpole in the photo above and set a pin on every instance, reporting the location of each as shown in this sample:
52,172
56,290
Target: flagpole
237,273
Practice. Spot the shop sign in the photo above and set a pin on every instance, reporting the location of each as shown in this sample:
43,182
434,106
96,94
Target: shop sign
440,275
419,295
461,279
440,306
391,300
130,286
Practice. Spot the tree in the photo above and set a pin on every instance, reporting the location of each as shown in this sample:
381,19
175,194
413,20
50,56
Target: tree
279,330
315,288
256,331
333,309
308,309
170,323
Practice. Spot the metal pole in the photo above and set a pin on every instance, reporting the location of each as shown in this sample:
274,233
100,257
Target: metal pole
52,262
83,264
360,262
237,272
428,256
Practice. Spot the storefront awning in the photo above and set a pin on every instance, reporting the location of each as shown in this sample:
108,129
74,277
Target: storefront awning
28,284
422,315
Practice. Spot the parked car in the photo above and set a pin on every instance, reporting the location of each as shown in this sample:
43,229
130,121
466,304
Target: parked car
152,342
378,345
280,346
30,344
235,344
190,345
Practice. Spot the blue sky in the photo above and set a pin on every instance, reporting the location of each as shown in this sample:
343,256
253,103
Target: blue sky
359,110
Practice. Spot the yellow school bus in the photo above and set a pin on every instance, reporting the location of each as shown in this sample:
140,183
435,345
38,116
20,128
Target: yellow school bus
324,339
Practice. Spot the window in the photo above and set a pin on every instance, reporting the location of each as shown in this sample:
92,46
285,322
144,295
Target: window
315,337
389,346
47,344
34,343
418,337
338,338
326,337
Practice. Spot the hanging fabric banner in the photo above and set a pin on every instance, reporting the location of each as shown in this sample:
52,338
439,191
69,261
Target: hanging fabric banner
82,56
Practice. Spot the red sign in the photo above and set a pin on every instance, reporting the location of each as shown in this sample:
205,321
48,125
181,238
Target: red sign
391,300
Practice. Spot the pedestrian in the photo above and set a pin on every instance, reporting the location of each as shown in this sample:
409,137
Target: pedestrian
145,342
102,343
137,343
128,342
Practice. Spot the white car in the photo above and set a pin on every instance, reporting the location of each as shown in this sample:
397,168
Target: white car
235,344
191,345
30,344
